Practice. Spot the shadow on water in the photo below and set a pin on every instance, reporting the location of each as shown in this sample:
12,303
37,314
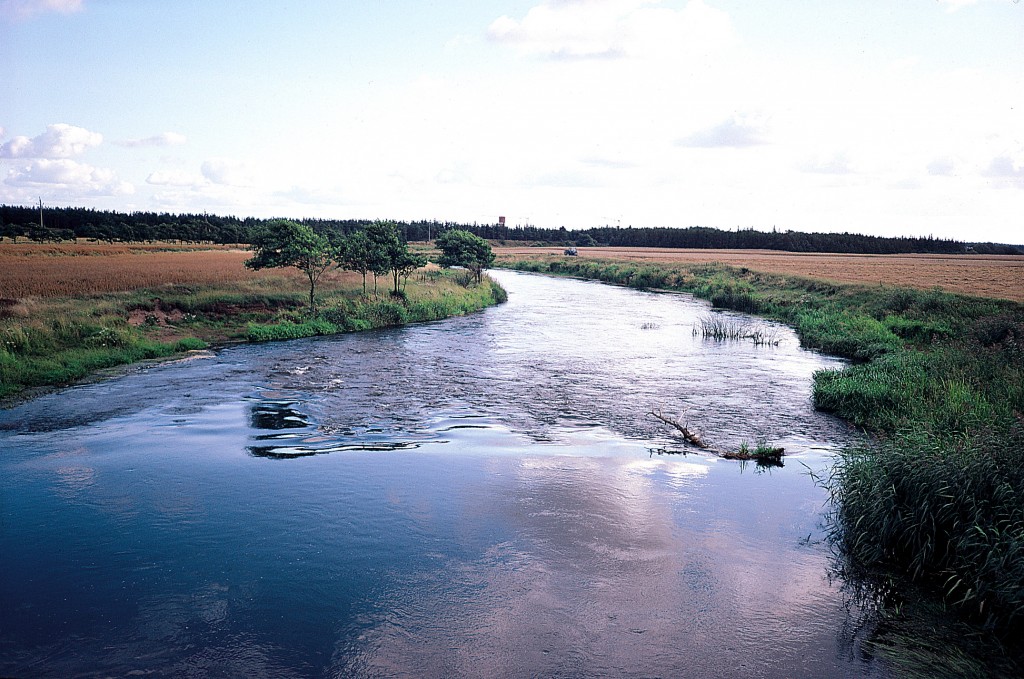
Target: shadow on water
296,434
311,447
276,415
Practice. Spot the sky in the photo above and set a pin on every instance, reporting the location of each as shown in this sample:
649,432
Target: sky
896,118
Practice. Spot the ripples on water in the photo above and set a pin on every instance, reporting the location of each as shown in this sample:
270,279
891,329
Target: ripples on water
475,497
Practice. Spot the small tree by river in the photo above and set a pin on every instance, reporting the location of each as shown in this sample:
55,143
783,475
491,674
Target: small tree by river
380,249
461,248
283,243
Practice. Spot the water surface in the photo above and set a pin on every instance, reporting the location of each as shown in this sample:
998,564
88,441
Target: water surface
483,496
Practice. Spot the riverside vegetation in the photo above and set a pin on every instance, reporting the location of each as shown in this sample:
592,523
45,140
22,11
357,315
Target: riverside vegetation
928,515
51,339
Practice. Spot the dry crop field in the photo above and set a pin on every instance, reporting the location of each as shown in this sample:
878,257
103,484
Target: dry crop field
29,270
999,276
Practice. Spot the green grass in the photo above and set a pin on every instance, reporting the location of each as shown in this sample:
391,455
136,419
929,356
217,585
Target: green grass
763,453
937,497
63,364
58,342
427,301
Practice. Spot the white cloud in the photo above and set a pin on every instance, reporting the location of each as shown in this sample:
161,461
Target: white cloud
23,9
942,167
312,196
1006,172
1004,166
570,178
228,171
59,141
579,29
954,5
163,139
174,178
838,163
69,174
729,133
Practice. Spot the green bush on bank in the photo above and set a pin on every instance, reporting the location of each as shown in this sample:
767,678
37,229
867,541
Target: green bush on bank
939,379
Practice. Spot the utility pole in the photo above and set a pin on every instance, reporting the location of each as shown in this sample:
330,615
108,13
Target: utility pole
40,212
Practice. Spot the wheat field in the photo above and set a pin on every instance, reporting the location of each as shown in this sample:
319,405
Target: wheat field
48,271
998,276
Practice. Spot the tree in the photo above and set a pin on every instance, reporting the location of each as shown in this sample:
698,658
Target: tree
357,254
284,243
394,255
384,244
461,248
404,263
12,231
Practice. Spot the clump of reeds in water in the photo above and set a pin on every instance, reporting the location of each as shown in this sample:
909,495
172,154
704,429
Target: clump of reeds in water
763,453
719,327
767,337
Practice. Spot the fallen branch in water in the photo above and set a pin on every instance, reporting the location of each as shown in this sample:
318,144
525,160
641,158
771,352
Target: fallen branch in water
763,453
693,438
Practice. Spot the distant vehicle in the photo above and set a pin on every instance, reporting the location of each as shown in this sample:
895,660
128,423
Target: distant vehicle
570,252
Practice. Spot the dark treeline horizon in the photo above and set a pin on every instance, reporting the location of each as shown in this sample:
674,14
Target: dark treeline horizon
64,223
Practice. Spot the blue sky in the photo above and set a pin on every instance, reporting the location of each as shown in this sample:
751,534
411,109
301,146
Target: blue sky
892,118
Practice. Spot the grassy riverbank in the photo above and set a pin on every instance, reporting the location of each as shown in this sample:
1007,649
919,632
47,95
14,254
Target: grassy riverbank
937,498
55,340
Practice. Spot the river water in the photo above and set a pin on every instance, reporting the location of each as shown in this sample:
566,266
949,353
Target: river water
482,496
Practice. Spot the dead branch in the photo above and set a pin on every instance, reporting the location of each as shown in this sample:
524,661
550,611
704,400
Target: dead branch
763,454
690,436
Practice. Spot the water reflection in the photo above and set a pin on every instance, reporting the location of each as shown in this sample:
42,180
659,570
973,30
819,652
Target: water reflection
322,446
296,434
275,415
476,497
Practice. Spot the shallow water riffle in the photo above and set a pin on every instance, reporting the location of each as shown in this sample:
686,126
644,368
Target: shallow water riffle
482,496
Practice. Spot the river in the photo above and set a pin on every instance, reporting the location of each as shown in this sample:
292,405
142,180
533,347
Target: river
482,496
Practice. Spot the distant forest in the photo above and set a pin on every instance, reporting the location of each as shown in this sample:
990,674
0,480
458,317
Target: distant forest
58,224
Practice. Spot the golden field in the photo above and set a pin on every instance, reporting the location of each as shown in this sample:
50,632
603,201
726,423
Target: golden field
997,276
69,270
31,270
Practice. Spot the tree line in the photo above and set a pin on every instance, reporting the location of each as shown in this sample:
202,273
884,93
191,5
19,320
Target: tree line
63,223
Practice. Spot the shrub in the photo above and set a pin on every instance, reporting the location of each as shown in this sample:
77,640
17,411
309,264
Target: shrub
289,330
190,344
918,331
846,334
385,313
